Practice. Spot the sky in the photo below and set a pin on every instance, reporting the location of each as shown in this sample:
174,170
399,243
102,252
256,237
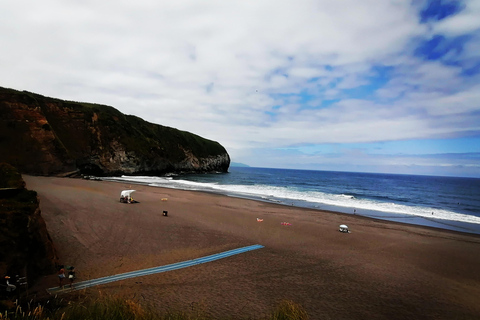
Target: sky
372,86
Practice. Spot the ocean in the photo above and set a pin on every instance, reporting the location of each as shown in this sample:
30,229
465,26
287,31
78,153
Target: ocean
451,203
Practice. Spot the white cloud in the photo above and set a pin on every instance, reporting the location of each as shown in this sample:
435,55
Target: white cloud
464,22
235,71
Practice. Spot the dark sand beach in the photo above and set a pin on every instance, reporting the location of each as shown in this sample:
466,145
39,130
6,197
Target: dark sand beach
381,270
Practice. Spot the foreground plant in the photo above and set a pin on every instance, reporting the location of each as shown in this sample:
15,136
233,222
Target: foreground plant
108,308
289,310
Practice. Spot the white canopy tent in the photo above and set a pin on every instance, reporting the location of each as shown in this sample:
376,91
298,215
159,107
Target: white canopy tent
126,195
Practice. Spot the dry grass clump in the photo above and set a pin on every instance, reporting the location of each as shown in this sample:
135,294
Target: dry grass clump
288,310
112,308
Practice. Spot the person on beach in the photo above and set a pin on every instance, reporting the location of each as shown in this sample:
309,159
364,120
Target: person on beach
71,275
9,287
61,276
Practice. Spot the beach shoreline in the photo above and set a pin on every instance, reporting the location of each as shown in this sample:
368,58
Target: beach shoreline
382,269
434,220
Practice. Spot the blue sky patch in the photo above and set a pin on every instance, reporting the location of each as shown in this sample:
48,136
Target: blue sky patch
209,87
439,46
436,10
472,70
380,75
450,52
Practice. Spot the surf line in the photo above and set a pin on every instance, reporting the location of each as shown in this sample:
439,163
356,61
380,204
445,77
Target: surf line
144,272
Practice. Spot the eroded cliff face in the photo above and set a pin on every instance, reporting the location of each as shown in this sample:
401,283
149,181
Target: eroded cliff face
41,135
26,248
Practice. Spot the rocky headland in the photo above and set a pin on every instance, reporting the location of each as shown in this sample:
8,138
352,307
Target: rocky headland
47,136
26,249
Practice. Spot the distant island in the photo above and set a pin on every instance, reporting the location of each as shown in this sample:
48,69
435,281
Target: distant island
238,164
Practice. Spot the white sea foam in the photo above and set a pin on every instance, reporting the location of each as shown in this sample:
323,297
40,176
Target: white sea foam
287,195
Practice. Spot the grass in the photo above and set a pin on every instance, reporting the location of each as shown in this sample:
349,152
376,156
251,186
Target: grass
288,310
112,308
10,177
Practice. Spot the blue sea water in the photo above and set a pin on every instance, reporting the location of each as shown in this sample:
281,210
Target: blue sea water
443,202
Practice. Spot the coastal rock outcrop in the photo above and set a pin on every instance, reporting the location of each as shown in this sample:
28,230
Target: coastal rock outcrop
45,136
26,248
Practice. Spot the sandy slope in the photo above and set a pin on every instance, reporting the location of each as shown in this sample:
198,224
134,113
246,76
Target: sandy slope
382,270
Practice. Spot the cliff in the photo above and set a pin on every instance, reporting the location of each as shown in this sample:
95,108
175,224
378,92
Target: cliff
26,248
41,135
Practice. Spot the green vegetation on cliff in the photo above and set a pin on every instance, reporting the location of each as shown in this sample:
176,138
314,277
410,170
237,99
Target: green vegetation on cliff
10,177
41,135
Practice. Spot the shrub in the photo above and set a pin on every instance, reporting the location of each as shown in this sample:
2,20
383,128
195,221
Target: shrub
111,308
289,310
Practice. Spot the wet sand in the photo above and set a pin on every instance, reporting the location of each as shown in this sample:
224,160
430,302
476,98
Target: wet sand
381,270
